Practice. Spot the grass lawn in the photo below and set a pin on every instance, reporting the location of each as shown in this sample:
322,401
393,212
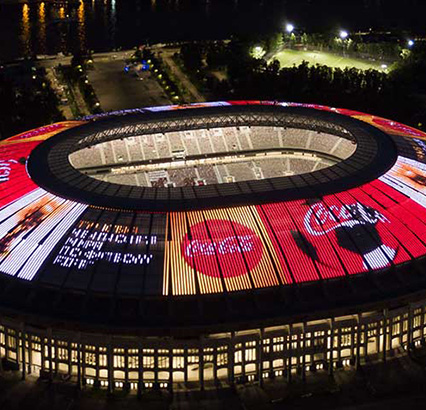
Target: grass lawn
288,58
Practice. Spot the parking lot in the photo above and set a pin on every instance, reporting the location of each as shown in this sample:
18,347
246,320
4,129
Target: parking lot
117,90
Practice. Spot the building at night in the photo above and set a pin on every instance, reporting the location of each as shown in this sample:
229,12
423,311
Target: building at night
211,244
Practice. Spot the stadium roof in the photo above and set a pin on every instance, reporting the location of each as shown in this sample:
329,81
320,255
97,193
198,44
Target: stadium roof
87,252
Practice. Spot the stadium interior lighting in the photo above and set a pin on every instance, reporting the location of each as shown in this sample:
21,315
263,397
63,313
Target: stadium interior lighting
343,34
289,27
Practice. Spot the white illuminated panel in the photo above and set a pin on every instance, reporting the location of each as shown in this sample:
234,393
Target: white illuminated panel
20,252
85,246
8,210
21,216
408,177
43,249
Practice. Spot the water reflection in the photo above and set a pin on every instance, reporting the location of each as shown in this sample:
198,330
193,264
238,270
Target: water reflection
26,30
113,22
81,26
62,31
41,37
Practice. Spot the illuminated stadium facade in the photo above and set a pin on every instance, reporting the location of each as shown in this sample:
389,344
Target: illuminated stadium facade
211,244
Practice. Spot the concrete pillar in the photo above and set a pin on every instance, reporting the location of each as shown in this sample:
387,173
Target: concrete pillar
384,332
290,352
259,358
185,366
331,349
110,363
409,326
79,363
97,353
358,342
23,350
50,350
30,354
126,366
201,366
69,344
140,371
231,357
43,352
303,373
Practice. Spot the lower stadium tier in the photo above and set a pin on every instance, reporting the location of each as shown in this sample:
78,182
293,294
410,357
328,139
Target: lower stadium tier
229,241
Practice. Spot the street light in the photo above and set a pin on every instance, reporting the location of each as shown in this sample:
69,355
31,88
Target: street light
289,28
343,34
410,43
258,52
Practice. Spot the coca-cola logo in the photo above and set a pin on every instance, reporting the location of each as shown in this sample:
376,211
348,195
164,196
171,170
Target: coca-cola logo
320,220
357,229
6,169
236,248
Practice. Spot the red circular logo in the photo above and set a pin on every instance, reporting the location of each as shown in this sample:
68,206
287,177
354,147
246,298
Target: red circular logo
235,247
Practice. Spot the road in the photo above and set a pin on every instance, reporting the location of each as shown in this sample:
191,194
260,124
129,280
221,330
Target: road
167,56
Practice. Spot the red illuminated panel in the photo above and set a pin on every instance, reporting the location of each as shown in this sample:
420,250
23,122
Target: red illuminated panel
257,258
14,180
378,246
389,126
200,252
308,222
404,223
326,220
277,254
229,250
314,106
410,213
344,231
270,244
349,113
43,133
180,273
291,243
393,230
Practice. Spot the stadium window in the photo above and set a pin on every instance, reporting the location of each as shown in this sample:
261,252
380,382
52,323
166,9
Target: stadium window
103,360
222,359
193,359
417,321
90,359
178,362
148,362
62,353
118,361
250,355
11,341
133,362
163,362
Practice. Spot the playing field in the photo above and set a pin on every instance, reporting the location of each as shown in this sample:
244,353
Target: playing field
288,58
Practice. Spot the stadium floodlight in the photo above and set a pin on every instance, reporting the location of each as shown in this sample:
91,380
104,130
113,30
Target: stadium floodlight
289,28
343,34
410,43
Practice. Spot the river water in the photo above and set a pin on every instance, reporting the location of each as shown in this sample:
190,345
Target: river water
51,27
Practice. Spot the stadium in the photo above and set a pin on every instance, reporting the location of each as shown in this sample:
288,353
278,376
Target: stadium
211,244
